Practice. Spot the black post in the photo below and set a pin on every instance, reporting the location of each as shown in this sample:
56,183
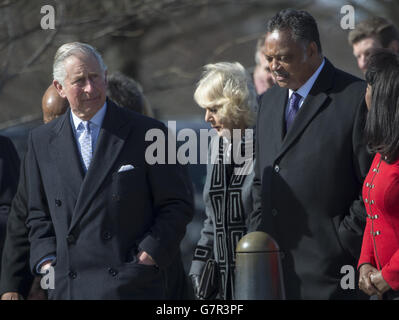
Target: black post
258,274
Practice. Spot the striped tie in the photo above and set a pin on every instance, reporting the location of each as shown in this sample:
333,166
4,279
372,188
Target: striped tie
85,143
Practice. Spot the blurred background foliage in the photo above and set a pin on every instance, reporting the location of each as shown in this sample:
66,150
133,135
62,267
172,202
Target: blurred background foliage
163,44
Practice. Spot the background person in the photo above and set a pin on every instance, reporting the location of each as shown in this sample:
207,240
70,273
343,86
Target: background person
226,93
373,33
128,93
262,75
52,104
379,259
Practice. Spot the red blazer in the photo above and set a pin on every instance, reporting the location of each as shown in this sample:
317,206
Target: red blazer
381,236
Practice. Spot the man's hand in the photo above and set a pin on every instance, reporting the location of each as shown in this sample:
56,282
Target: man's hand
145,258
11,296
379,282
365,283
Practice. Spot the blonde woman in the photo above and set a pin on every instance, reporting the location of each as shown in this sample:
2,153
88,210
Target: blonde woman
226,93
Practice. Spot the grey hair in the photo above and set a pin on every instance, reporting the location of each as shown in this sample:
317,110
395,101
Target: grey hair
300,23
71,49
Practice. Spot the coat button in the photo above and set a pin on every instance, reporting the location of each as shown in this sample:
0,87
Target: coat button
112,272
274,212
72,274
58,202
107,235
71,239
276,168
115,197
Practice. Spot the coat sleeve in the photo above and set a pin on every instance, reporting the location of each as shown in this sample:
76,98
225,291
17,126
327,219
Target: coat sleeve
254,219
9,172
255,216
41,230
353,223
390,272
174,208
16,276
204,248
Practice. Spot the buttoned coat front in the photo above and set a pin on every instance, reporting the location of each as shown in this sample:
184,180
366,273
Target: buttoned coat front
96,223
381,236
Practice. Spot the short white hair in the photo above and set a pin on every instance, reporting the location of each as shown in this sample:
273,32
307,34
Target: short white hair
71,49
229,86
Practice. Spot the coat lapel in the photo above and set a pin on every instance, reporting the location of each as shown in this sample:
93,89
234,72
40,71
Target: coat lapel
63,146
277,118
111,140
311,106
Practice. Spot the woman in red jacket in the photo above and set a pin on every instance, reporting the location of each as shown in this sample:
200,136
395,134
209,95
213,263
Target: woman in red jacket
379,260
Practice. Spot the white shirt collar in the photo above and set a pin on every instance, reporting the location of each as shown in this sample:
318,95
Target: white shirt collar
305,89
97,119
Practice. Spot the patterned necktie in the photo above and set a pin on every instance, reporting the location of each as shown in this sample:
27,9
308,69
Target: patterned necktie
292,109
85,143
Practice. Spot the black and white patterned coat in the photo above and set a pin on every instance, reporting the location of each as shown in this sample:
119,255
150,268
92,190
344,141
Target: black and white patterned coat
228,204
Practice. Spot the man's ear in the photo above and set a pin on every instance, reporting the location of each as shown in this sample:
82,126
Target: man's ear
312,49
59,88
394,46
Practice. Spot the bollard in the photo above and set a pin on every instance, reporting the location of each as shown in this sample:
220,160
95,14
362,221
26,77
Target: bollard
258,272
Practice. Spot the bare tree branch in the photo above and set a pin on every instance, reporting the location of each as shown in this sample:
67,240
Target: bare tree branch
128,18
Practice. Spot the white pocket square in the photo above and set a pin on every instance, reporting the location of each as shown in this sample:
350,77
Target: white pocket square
126,168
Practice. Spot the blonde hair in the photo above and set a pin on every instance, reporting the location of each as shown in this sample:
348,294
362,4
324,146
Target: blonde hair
228,86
